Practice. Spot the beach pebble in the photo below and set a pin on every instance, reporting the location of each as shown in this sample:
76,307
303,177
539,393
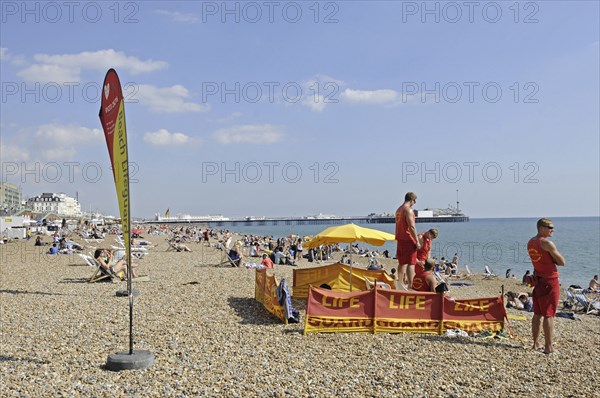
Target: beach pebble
211,338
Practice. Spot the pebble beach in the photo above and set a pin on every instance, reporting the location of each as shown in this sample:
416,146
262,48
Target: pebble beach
211,338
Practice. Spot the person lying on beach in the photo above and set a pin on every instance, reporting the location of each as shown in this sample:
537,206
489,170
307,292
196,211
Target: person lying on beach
138,242
180,247
107,261
526,301
518,301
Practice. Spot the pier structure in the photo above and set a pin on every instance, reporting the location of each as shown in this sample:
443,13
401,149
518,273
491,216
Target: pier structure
309,221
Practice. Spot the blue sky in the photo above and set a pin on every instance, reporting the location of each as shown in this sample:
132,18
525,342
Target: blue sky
299,108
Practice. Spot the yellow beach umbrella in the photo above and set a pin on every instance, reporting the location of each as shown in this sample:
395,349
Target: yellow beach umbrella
349,233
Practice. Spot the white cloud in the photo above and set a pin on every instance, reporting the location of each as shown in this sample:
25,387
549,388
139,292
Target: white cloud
63,68
167,99
249,133
58,154
315,103
369,96
320,90
163,137
102,60
176,16
55,142
13,59
12,153
44,73
67,135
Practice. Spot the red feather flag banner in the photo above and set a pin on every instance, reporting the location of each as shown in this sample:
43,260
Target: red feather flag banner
112,117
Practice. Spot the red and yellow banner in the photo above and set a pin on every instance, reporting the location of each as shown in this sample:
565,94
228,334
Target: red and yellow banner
473,315
112,117
265,292
329,311
336,276
393,311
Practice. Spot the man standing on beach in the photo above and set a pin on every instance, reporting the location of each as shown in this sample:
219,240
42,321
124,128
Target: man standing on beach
546,293
406,236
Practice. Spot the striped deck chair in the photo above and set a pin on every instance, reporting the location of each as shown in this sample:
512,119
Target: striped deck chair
570,302
100,273
135,252
588,306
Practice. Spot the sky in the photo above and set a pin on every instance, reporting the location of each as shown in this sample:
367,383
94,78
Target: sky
299,108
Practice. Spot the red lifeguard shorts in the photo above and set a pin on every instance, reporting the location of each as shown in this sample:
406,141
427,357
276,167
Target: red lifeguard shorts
546,295
406,252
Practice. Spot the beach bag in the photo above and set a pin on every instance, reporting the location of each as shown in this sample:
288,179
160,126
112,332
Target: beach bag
441,288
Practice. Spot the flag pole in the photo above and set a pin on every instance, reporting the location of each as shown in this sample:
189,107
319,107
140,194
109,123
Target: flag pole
112,117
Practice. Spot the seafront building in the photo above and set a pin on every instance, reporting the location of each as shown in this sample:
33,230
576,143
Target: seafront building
61,204
10,197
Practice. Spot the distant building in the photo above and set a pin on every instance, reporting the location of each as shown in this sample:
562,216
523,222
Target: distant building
61,204
10,197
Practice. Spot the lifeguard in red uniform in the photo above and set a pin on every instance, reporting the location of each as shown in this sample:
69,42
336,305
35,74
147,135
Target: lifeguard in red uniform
406,236
545,257
425,281
425,239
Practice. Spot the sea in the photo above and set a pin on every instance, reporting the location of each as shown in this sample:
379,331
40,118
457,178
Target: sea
499,243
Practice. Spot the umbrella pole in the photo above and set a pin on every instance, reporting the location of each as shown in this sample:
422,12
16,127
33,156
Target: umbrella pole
351,268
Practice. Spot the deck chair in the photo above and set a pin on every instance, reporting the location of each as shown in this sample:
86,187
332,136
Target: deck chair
93,240
468,274
231,259
100,273
136,251
489,273
370,284
588,306
173,247
570,302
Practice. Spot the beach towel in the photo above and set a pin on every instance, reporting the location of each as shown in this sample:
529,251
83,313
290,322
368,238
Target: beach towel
285,299
568,315
461,284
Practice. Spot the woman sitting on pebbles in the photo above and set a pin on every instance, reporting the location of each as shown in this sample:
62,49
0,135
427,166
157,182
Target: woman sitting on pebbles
106,260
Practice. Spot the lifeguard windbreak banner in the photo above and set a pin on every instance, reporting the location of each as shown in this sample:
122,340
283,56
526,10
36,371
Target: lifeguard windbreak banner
329,311
265,292
337,276
472,315
393,311
112,117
